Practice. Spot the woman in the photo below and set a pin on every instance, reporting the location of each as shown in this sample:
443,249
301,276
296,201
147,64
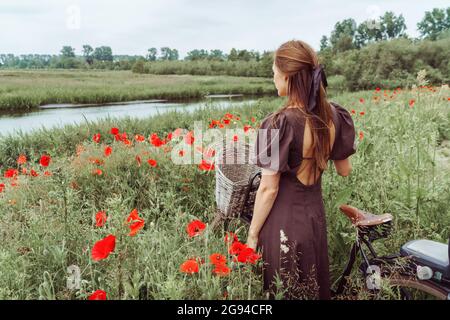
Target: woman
288,222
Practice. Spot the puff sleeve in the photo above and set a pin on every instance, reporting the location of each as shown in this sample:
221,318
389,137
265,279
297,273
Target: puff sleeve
272,145
344,144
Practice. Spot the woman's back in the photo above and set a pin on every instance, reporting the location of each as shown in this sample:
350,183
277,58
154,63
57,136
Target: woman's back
295,143
305,173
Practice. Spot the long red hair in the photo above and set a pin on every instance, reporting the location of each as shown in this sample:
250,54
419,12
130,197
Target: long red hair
296,59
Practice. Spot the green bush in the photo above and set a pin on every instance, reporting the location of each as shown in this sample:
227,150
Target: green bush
391,64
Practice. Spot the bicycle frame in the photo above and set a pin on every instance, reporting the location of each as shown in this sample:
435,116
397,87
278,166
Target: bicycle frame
351,262
440,290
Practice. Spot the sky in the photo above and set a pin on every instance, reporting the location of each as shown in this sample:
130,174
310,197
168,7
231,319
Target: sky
133,26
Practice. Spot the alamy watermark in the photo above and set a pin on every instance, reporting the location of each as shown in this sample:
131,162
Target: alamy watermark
231,146
73,17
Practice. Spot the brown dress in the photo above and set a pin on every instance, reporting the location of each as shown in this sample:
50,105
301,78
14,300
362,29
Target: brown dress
293,239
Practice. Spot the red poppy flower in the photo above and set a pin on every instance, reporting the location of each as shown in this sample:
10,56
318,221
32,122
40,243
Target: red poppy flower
139,137
45,160
226,121
152,162
2,187
231,237
127,142
235,138
155,140
103,248
217,258
24,170
100,219
247,127
221,270
96,137
411,103
213,123
114,130
121,136
181,153
362,113
248,255
33,173
189,266
11,173
252,119
206,166
136,222
22,159
353,111
135,227
361,100
236,247
361,135
98,295
108,151
97,172
377,89
169,136
195,227
47,173
189,138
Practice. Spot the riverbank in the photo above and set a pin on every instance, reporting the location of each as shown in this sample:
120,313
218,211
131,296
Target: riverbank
28,89
58,115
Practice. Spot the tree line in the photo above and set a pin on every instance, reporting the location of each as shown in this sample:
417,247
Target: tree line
103,58
380,53
347,34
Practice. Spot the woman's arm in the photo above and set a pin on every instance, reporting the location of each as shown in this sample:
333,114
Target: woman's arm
265,197
343,167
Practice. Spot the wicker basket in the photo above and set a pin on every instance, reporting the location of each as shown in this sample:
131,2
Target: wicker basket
236,181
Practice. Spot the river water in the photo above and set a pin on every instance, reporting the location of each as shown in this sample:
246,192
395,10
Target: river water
58,115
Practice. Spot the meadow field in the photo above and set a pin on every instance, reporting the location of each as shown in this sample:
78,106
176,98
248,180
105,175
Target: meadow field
106,200
28,89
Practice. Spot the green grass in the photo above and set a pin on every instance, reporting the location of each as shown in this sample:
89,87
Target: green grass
47,223
27,89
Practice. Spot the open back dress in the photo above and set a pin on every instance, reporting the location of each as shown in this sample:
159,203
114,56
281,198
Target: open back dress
293,239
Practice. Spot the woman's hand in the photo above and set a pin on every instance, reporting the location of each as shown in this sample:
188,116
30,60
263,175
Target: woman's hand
252,241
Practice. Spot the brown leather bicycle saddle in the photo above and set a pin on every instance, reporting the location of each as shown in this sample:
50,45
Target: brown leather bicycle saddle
363,218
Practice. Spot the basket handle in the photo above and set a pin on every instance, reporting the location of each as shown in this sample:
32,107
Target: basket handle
250,183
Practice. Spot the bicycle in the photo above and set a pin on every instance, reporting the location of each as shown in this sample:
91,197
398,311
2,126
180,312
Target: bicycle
420,264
